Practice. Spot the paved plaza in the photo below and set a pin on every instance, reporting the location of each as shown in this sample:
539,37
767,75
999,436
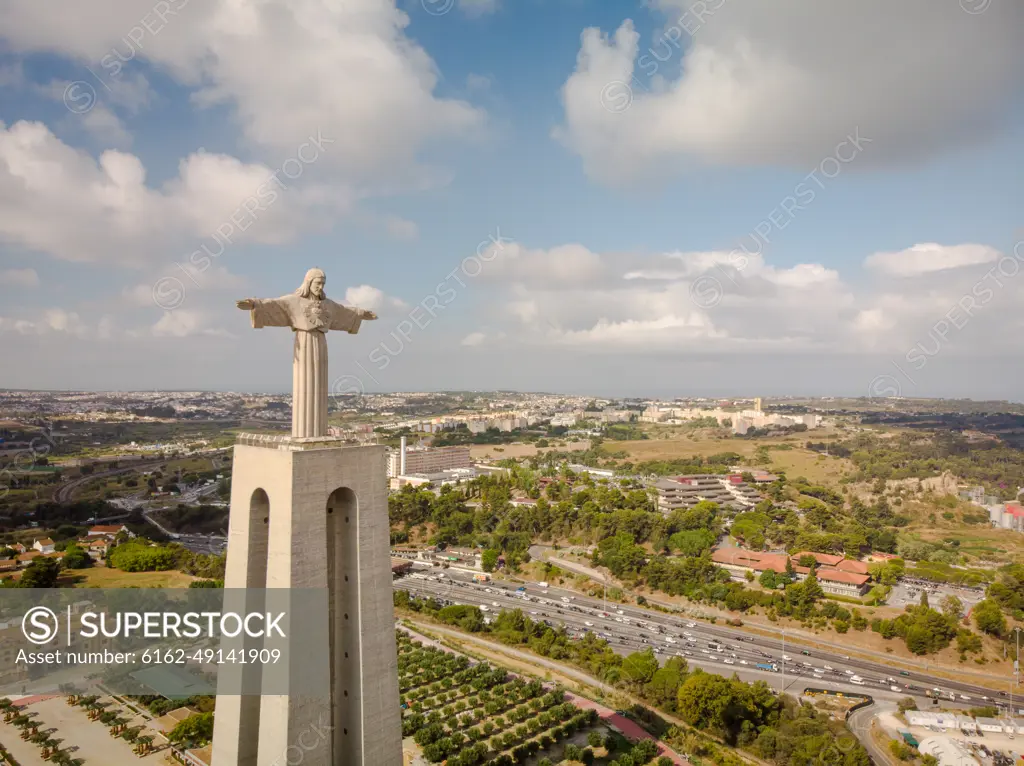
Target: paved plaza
92,739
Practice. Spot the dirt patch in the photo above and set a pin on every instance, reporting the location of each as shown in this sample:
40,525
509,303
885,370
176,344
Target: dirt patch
500,451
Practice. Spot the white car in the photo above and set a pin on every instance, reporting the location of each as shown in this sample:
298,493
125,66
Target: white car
729,662
618,619
495,603
743,662
619,611
691,625
786,657
588,623
704,651
534,612
828,667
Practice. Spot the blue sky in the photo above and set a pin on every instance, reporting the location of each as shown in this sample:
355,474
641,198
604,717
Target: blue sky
643,209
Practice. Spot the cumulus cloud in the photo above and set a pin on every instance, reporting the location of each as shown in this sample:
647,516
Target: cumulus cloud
571,263
372,298
930,257
474,339
57,321
728,302
183,323
781,83
285,69
19,278
60,201
478,7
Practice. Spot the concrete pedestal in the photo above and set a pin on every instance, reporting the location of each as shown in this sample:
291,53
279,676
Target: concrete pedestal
313,514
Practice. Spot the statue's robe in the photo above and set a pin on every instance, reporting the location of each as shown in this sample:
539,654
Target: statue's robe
310,319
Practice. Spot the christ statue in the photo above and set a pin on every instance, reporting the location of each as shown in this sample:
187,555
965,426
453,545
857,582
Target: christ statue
310,314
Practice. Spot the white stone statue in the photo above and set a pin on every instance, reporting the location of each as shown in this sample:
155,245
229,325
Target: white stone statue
310,314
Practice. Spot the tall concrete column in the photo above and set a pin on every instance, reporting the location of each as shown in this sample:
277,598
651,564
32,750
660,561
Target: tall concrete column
326,533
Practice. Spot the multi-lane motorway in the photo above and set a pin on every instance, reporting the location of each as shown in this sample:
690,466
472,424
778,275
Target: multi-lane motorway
713,647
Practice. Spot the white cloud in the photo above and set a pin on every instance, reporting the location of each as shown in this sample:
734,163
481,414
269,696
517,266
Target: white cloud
19,278
719,302
286,69
192,277
782,83
402,229
106,127
930,257
60,201
183,323
478,7
474,339
564,264
369,297
51,321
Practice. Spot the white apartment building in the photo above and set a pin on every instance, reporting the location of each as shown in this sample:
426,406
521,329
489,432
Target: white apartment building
426,460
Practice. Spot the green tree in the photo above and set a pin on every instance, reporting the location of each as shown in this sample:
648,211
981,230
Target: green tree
989,618
196,730
41,573
489,559
76,558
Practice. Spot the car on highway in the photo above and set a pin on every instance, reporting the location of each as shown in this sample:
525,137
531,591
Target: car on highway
729,661
691,625
828,667
495,603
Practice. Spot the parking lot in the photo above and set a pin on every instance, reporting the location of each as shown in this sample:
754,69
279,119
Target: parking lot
908,591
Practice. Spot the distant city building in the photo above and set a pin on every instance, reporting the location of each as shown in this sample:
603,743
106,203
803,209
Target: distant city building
727,490
564,419
436,479
427,460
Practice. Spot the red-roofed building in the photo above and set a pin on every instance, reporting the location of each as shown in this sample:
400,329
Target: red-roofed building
823,559
110,530
840,579
848,565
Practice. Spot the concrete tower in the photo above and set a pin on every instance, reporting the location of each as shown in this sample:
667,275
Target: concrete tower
311,514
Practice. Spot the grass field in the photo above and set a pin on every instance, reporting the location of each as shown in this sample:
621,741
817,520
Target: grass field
103,577
794,459
499,451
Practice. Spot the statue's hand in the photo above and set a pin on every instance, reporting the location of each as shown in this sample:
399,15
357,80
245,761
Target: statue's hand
366,314
247,304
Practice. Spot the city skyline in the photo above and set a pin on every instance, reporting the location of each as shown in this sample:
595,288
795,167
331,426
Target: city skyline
641,201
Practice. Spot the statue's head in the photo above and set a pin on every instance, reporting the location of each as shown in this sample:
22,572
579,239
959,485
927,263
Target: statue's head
313,285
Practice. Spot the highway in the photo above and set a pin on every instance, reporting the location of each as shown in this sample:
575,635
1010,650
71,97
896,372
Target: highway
713,647
66,492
